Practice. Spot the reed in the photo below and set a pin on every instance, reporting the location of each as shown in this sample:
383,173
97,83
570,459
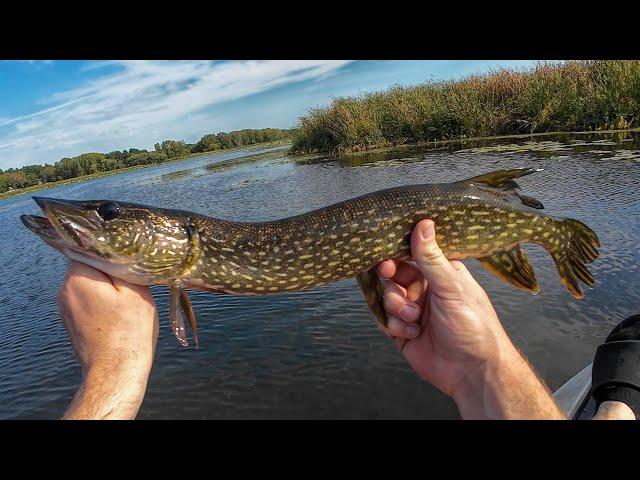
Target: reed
569,96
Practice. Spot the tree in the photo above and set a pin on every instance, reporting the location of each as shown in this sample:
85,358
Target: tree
48,173
17,180
208,143
172,148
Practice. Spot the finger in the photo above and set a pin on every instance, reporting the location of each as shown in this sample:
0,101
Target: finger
407,273
126,287
386,269
417,291
397,304
399,329
435,267
400,271
411,278
82,275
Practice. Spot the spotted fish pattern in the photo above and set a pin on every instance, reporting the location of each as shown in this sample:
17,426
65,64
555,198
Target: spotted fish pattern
484,217
340,241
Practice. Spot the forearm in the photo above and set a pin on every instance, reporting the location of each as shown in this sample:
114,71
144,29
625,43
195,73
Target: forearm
506,387
109,394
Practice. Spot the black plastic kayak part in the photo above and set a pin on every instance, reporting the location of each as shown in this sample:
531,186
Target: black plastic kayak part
616,366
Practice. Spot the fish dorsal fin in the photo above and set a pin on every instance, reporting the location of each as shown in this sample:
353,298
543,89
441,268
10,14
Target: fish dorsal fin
513,267
502,179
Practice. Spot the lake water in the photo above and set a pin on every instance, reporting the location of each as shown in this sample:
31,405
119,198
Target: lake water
318,354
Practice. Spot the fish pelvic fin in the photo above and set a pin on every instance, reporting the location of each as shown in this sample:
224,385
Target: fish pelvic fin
176,315
179,308
504,180
187,308
512,266
373,294
578,247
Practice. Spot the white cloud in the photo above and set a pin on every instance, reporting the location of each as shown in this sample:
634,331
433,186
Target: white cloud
140,99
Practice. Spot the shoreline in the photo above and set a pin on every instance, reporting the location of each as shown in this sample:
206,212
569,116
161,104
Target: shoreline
83,178
300,155
439,143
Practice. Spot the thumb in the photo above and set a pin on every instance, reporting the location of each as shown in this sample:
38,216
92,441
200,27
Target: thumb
437,270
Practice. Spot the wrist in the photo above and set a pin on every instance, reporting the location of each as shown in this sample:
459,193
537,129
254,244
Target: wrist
504,387
119,367
110,391
483,381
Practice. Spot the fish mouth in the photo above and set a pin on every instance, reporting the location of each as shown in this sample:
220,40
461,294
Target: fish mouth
40,225
65,221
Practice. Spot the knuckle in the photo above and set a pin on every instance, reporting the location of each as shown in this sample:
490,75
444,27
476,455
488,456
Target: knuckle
430,253
392,302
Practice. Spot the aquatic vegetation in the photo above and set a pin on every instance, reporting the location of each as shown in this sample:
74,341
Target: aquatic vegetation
275,153
558,150
569,96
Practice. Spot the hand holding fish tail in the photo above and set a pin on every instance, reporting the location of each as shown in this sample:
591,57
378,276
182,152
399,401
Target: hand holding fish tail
462,348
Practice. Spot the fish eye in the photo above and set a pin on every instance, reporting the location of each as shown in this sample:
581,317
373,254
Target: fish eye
109,210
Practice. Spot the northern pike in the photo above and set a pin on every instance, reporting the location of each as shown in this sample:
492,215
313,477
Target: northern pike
484,217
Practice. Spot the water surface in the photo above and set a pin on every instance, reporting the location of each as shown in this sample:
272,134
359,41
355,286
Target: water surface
318,354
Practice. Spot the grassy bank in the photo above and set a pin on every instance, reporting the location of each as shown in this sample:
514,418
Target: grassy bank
107,173
572,96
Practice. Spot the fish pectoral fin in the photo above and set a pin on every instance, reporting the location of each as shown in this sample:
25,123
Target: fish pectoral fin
502,179
513,267
371,286
176,314
187,308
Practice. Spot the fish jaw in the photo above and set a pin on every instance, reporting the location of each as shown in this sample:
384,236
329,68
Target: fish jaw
140,245
43,227
72,221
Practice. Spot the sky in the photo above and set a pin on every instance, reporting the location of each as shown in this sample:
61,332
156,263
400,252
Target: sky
55,109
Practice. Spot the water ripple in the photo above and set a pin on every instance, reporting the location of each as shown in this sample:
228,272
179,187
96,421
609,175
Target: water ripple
318,354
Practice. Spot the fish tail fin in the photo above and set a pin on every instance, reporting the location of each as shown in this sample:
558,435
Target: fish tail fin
574,246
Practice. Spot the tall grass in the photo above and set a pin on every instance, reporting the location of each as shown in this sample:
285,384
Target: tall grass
569,96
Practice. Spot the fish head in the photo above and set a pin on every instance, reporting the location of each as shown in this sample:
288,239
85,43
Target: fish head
133,242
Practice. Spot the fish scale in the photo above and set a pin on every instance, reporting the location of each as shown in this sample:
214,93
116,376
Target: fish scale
339,241
483,217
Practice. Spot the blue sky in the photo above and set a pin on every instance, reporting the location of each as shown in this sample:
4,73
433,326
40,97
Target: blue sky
55,109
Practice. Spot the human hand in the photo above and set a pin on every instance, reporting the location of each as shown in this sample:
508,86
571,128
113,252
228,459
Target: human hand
460,345
113,327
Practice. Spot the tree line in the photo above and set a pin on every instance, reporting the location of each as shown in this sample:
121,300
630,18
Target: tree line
90,163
